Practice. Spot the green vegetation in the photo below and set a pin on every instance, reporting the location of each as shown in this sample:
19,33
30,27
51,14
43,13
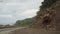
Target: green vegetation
25,22
45,5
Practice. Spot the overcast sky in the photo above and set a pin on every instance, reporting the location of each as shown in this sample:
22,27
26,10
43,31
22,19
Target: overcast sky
13,10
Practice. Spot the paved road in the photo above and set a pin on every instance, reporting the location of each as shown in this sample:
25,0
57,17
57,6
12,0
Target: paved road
9,30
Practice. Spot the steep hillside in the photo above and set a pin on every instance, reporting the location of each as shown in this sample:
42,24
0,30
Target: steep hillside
49,16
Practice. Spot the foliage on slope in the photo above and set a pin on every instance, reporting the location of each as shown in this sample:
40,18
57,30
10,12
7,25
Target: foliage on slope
25,22
45,5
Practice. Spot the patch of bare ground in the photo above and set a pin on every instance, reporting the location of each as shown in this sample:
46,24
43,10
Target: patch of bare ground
31,31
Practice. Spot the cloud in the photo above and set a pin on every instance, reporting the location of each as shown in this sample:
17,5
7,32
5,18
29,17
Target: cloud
6,16
12,4
12,10
28,13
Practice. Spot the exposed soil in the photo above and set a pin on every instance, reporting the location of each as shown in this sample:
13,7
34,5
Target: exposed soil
31,31
9,30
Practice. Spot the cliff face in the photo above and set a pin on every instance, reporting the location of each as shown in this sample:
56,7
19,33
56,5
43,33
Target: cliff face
45,19
50,19
57,18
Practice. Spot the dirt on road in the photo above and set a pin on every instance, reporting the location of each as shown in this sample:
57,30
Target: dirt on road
9,30
30,31
23,30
